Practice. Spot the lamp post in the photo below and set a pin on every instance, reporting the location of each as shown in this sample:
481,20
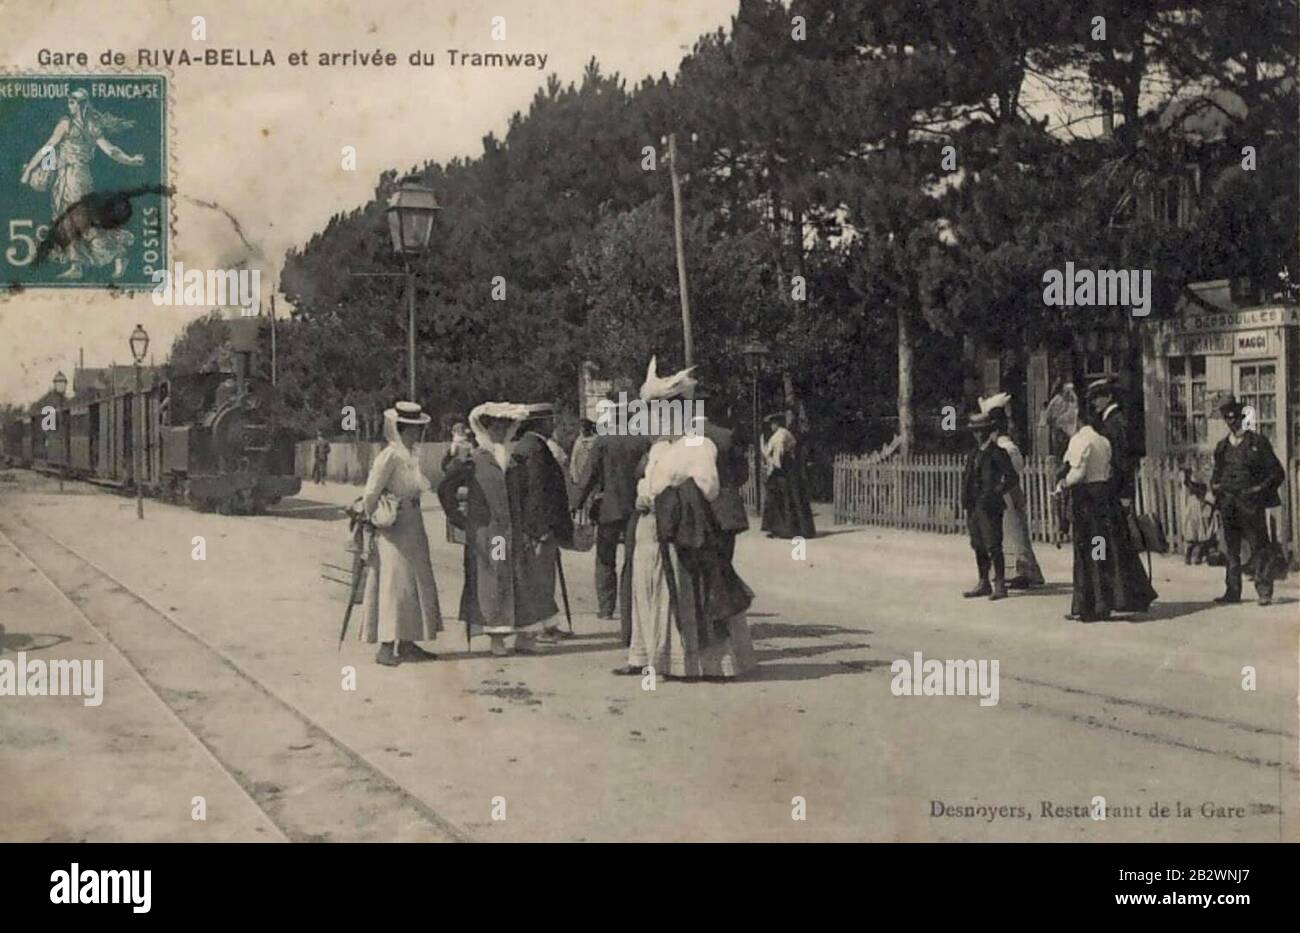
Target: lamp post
755,352
410,225
139,346
61,386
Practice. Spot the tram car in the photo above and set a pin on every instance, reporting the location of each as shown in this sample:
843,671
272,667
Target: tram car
215,441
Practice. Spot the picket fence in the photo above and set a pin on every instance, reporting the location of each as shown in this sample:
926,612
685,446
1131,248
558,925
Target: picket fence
924,493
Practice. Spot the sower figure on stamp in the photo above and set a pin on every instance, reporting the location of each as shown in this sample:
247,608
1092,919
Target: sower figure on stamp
987,478
611,479
545,522
1244,486
74,142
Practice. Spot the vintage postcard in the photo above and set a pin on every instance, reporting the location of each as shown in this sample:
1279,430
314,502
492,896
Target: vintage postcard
691,421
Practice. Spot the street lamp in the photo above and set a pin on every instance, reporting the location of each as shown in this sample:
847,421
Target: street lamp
60,382
410,225
755,353
139,343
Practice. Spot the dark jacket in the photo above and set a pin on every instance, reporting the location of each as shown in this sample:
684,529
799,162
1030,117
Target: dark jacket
544,508
615,459
733,470
1266,472
1123,454
988,476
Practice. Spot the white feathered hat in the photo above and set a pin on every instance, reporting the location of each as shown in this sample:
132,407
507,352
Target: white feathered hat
674,386
1000,400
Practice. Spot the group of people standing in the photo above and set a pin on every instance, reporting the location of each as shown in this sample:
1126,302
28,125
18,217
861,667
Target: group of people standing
671,498
1098,479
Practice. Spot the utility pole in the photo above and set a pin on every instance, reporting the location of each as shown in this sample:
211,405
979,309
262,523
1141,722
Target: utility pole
273,339
681,249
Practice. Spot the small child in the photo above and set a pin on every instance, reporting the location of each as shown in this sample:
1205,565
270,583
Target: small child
1199,520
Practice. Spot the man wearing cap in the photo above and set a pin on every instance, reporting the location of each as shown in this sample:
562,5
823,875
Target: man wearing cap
988,476
1244,486
545,519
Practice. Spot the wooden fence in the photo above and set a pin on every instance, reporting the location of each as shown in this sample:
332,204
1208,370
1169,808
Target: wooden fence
924,493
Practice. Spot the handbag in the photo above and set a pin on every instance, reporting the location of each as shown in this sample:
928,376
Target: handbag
385,513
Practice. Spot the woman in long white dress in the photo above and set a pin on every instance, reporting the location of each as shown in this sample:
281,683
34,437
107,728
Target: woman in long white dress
688,605
401,597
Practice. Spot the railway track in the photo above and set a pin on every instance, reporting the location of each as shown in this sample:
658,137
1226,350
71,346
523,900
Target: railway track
310,784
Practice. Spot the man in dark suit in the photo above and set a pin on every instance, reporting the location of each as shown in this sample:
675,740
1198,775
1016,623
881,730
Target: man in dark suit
988,476
612,475
1244,485
733,471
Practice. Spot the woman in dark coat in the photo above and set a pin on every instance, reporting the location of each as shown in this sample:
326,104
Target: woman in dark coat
787,511
495,599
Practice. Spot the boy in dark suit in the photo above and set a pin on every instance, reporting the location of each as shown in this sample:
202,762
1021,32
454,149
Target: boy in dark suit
988,475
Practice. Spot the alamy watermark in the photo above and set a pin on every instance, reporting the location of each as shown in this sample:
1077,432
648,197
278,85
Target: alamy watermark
1089,288
947,678
199,288
655,417
56,678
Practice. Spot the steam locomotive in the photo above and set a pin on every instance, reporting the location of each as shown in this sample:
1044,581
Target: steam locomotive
215,441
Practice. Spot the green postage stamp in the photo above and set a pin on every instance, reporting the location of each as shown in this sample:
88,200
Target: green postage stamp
83,180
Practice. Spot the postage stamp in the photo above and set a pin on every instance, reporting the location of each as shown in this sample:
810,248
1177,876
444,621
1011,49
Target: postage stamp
83,180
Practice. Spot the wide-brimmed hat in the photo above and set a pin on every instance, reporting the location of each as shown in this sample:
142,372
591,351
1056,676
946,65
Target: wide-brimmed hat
774,416
411,413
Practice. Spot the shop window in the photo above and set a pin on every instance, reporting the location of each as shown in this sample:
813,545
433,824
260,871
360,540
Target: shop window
1099,366
1257,387
1188,423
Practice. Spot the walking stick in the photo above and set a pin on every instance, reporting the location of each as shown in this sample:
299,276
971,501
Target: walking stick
564,589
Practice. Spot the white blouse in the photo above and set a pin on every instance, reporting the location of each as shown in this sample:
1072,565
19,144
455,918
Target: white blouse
1089,457
394,472
672,463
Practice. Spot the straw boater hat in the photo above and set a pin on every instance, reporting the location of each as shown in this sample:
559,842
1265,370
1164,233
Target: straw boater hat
410,413
1104,386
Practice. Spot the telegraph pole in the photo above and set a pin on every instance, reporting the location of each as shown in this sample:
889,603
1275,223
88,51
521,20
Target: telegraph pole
681,249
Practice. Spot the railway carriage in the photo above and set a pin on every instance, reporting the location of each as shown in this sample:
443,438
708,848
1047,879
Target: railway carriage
211,440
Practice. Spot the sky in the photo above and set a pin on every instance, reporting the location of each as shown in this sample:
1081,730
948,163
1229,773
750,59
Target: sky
262,146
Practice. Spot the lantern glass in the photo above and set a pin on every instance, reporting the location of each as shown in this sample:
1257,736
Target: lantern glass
139,343
60,383
410,217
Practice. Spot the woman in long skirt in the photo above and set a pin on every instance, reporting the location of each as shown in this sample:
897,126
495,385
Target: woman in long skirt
1017,545
496,599
401,596
787,511
688,604
1087,477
